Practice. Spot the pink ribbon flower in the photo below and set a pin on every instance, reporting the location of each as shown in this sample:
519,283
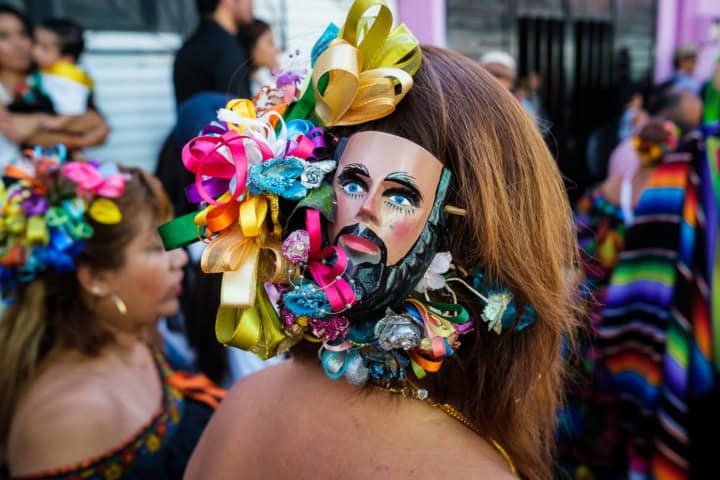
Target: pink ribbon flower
90,180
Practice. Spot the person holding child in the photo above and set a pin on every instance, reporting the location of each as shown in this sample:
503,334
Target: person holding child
27,113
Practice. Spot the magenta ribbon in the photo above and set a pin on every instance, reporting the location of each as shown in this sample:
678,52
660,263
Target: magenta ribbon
89,179
301,147
308,144
202,156
328,277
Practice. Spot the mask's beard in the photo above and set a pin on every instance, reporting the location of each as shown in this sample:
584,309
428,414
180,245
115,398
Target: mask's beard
380,286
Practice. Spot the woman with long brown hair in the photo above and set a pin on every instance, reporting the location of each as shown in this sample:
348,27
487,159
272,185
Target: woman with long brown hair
454,194
85,390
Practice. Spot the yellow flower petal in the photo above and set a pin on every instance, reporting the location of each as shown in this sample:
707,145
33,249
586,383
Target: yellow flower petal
105,211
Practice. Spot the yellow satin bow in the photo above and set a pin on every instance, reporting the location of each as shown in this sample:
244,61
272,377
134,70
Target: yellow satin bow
247,255
368,68
255,329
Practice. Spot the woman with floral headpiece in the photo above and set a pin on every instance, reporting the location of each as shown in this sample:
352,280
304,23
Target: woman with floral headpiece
85,393
421,250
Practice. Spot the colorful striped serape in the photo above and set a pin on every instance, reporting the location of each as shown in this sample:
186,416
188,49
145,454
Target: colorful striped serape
652,352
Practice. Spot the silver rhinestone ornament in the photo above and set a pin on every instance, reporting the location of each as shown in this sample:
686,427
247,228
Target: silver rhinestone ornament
356,373
397,331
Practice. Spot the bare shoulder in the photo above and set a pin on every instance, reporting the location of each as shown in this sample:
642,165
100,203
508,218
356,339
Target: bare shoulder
291,421
251,405
62,421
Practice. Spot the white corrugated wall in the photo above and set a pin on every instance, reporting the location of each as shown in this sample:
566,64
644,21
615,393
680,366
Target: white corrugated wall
133,89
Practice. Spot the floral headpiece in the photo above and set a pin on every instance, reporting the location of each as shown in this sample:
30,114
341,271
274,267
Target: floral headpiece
281,286
649,152
44,204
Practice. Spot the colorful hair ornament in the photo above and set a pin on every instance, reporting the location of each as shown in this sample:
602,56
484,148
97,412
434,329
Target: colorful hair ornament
45,203
501,310
362,71
650,153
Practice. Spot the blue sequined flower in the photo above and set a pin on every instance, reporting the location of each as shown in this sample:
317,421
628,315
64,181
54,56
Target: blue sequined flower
307,301
279,176
385,366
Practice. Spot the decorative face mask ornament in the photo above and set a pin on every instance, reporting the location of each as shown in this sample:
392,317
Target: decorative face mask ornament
389,217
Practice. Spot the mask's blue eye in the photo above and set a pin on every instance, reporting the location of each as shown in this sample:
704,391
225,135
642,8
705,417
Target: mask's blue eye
400,200
353,188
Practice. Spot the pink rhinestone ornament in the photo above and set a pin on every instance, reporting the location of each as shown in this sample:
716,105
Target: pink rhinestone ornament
329,329
296,246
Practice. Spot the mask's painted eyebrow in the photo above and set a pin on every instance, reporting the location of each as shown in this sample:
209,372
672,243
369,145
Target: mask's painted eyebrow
357,168
406,180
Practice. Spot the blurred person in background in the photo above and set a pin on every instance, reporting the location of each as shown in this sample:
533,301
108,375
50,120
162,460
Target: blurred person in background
258,40
633,116
681,107
27,115
86,391
633,402
211,59
529,87
502,66
58,45
608,140
684,63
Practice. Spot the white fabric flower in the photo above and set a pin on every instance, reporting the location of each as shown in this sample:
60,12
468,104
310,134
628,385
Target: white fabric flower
495,309
434,278
314,173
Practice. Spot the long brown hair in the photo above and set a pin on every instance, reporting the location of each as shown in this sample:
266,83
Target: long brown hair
518,230
50,314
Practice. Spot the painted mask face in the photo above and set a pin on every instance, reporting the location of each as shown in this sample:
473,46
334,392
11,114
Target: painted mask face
389,194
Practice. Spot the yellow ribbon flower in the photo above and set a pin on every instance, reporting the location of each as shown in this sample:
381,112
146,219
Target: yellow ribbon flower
247,255
368,69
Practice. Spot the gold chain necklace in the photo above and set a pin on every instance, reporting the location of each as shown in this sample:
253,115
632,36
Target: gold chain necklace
410,391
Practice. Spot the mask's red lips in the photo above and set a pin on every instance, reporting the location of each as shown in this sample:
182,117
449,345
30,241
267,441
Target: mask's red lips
358,244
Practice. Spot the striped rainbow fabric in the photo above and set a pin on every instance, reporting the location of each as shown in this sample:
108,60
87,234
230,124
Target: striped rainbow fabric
655,335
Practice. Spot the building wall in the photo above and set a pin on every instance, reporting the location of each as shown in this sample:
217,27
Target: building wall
688,21
134,91
477,26
589,52
635,22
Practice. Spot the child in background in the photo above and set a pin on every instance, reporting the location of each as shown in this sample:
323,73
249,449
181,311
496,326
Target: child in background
58,46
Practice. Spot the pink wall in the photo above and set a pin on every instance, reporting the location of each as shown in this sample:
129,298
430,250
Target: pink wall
426,19
683,21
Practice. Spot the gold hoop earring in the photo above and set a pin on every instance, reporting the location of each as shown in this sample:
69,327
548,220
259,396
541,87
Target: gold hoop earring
122,308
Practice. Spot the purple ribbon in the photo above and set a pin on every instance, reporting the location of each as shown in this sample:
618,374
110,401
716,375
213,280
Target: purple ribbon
287,78
214,187
35,205
214,129
466,327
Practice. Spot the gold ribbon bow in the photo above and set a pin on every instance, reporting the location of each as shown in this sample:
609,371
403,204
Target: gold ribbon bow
368,69
247,255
